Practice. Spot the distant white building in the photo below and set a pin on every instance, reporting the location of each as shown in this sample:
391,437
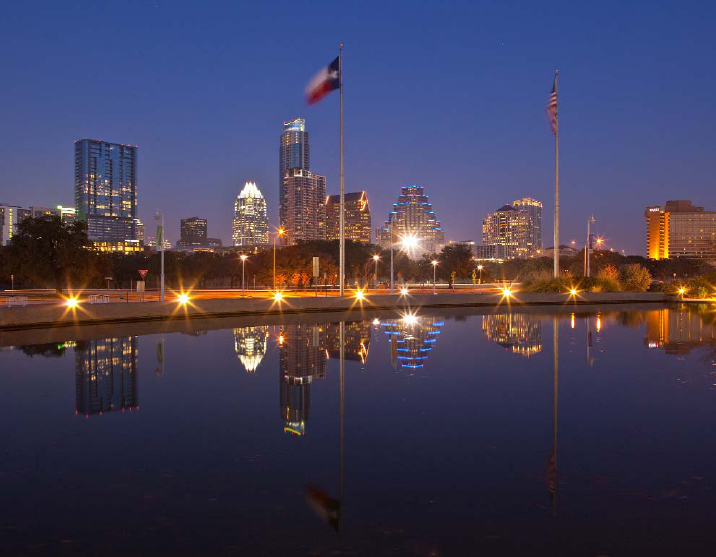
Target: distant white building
251,226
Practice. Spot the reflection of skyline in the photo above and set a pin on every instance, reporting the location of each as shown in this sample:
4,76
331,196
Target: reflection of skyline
411,337
106,375
521,333
303,353
677,331
250,344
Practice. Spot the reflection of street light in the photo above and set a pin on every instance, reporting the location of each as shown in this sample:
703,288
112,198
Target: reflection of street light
376,258
280,232
243,274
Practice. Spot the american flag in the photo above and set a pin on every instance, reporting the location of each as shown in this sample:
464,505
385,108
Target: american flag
552,107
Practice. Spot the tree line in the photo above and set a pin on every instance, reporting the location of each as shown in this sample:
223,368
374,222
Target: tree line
48,253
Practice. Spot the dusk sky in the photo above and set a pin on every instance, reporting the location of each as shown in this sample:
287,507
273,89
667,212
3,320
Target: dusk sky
450,96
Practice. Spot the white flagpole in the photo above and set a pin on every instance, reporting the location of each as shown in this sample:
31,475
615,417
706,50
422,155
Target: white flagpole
342,256
556,181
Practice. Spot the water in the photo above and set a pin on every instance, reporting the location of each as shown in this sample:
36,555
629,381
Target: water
226,438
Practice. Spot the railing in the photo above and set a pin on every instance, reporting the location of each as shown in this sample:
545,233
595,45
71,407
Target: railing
16,301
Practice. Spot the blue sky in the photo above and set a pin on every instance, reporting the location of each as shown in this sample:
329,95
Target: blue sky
448,95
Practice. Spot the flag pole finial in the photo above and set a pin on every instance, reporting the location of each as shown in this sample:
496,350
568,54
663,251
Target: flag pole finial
556,71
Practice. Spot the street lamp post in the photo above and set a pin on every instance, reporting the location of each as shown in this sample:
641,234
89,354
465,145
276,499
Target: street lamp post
479,268
243,274
376,258
160,238
278,233
587,248
435,266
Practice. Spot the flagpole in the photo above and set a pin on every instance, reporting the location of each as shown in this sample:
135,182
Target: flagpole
342,241
556,183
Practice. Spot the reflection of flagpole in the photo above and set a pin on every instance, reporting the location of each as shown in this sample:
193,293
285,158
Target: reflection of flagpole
552,470
342,383
556,184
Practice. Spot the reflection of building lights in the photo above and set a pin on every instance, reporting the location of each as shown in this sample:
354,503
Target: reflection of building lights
280,338
410,319
599,324
376,321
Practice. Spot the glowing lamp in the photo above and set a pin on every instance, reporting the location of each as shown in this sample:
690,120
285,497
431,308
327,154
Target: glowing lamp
573,291
506,292
71,303
359,295
183,299
278,296
404,291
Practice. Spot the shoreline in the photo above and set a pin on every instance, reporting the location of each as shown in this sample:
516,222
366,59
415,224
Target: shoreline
52,317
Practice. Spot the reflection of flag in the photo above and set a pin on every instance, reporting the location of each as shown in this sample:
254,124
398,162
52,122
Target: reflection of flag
324,506
552,107
324,82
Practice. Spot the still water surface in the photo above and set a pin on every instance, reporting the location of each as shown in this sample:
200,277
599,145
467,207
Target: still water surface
451,433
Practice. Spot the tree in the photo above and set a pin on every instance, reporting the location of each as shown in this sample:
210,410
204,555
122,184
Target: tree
455,258
46,250
635,278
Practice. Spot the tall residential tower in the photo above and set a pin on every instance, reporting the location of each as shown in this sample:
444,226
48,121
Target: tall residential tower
106,192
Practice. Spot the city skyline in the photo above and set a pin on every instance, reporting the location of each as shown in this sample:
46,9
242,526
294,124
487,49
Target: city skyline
612,142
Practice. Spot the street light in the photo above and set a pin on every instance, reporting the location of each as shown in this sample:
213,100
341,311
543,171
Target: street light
408,243
479,268
435,266
243,274
376,258
159,217
280,232
587,249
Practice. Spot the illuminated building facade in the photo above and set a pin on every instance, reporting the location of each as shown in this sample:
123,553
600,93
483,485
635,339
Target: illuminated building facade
680,229
533,208
106,375
357,217
510,228
106,191
251,226
413,215
251,344
302,358
194,232
11,216
305,196
412,338
517,332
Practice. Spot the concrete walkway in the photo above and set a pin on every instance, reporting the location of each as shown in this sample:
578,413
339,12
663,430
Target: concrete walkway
85,314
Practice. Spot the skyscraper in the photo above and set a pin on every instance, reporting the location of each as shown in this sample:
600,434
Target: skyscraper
357,217
413,215
305,218
294,152
510,228
680,229
193,232
533,208
251,227
106,192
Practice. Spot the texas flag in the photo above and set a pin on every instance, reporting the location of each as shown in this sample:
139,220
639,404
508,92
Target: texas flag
324,82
